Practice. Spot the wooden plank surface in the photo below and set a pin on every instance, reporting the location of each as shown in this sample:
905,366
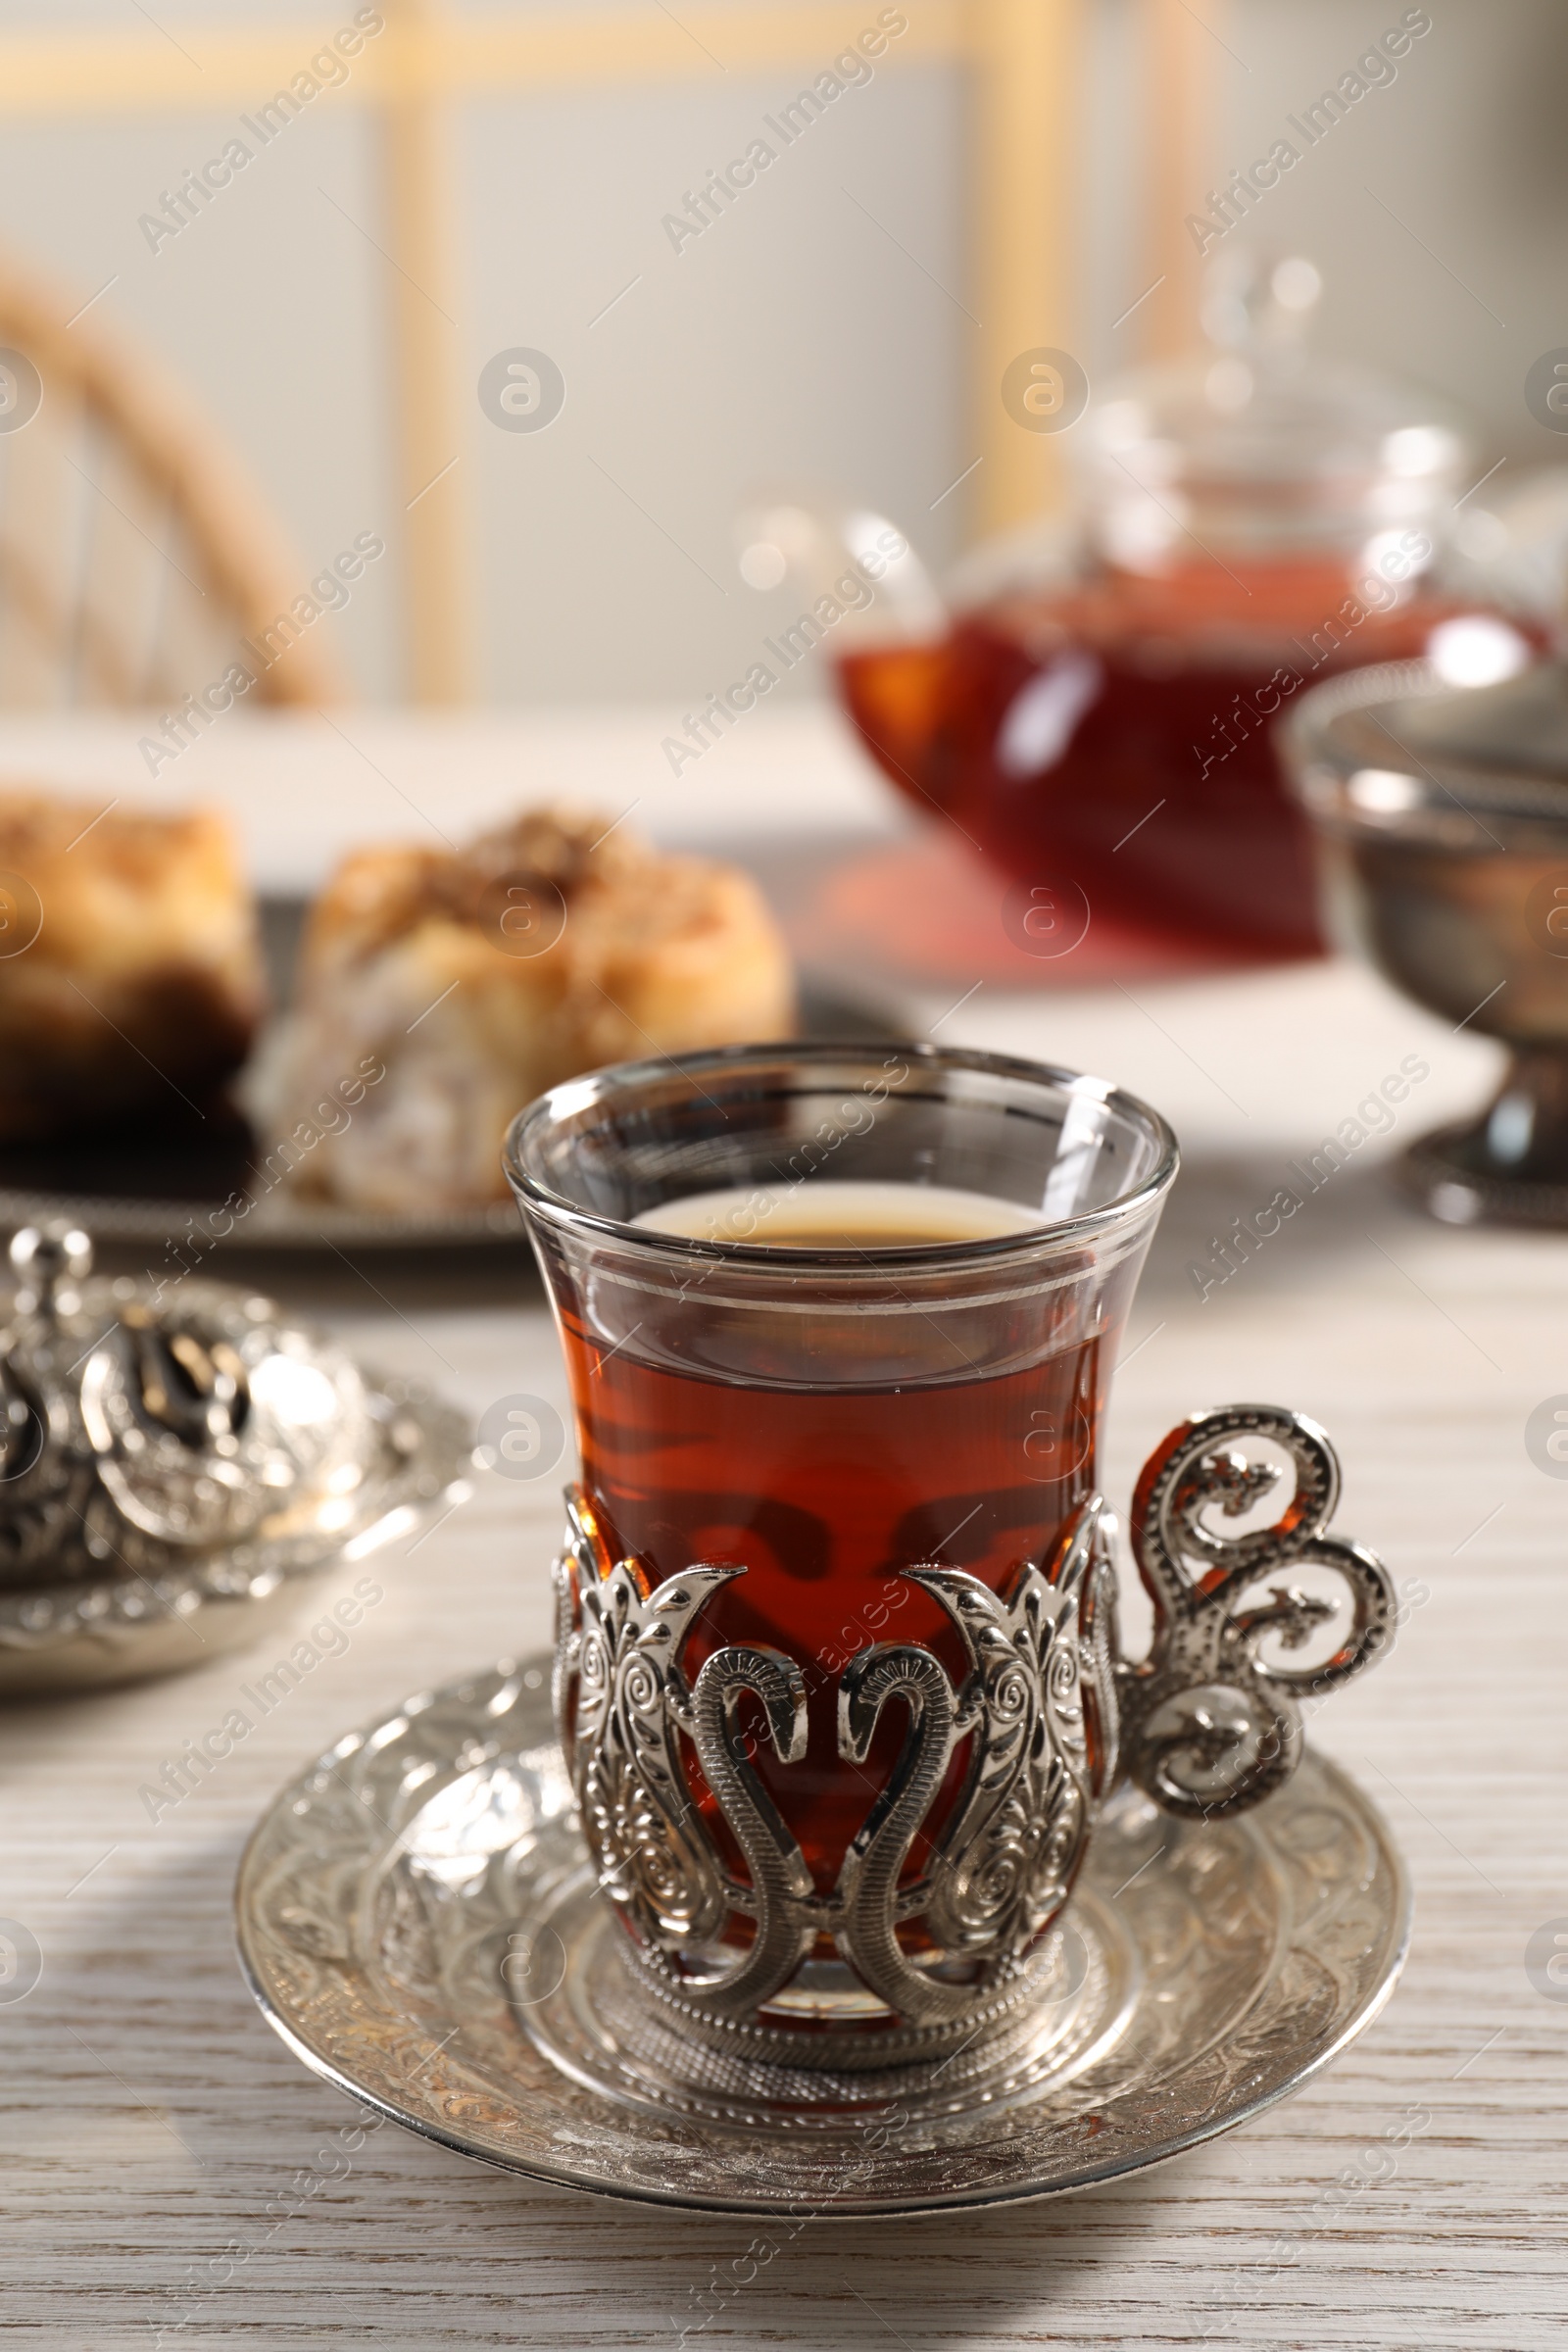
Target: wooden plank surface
160,2147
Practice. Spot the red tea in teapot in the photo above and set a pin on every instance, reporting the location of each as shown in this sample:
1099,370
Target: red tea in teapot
1118,736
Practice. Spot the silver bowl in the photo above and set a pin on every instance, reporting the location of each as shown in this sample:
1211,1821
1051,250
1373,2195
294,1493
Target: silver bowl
1440,817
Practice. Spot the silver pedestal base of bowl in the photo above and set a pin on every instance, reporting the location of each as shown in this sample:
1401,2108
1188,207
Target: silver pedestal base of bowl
1455,1176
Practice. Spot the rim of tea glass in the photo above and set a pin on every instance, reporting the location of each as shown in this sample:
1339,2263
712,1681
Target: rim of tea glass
576,1095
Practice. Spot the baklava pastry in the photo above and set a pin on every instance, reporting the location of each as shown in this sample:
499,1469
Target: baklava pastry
130,970
457,986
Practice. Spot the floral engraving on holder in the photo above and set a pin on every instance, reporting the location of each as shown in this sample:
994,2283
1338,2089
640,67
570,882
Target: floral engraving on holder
1038,1709
1206,1727
1048,1708
621,1648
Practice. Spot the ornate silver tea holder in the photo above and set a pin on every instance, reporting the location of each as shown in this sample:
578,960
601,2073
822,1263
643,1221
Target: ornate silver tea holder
171,1467
436,1916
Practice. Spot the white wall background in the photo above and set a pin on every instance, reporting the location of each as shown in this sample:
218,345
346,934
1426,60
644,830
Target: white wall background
794,341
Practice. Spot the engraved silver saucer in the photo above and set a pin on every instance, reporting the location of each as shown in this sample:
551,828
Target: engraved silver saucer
420,1920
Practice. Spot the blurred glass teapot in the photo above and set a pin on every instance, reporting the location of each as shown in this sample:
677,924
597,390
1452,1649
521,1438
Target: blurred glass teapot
1094,703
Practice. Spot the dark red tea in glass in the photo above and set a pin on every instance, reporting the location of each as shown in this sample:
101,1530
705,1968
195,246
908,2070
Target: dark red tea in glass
828,1314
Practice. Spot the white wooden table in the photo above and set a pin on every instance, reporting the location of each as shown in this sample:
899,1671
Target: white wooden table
156,2134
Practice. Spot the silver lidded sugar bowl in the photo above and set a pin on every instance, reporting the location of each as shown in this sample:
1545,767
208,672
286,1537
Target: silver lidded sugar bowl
173,1456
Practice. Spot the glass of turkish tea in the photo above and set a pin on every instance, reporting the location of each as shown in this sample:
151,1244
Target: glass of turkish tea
829,1311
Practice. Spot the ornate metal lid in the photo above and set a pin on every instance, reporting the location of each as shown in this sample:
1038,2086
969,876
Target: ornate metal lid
1400,751
1517,727
150,1429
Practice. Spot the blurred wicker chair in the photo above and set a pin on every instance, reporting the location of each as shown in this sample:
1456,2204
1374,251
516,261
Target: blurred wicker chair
134,554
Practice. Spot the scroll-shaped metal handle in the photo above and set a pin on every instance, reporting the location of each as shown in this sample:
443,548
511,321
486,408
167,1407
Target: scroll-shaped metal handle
1206,1727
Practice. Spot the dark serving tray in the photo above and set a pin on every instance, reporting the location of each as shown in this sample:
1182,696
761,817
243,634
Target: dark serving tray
164,1181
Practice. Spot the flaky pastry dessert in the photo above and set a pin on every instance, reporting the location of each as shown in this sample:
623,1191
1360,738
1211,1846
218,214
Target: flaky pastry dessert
462,984
130,971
